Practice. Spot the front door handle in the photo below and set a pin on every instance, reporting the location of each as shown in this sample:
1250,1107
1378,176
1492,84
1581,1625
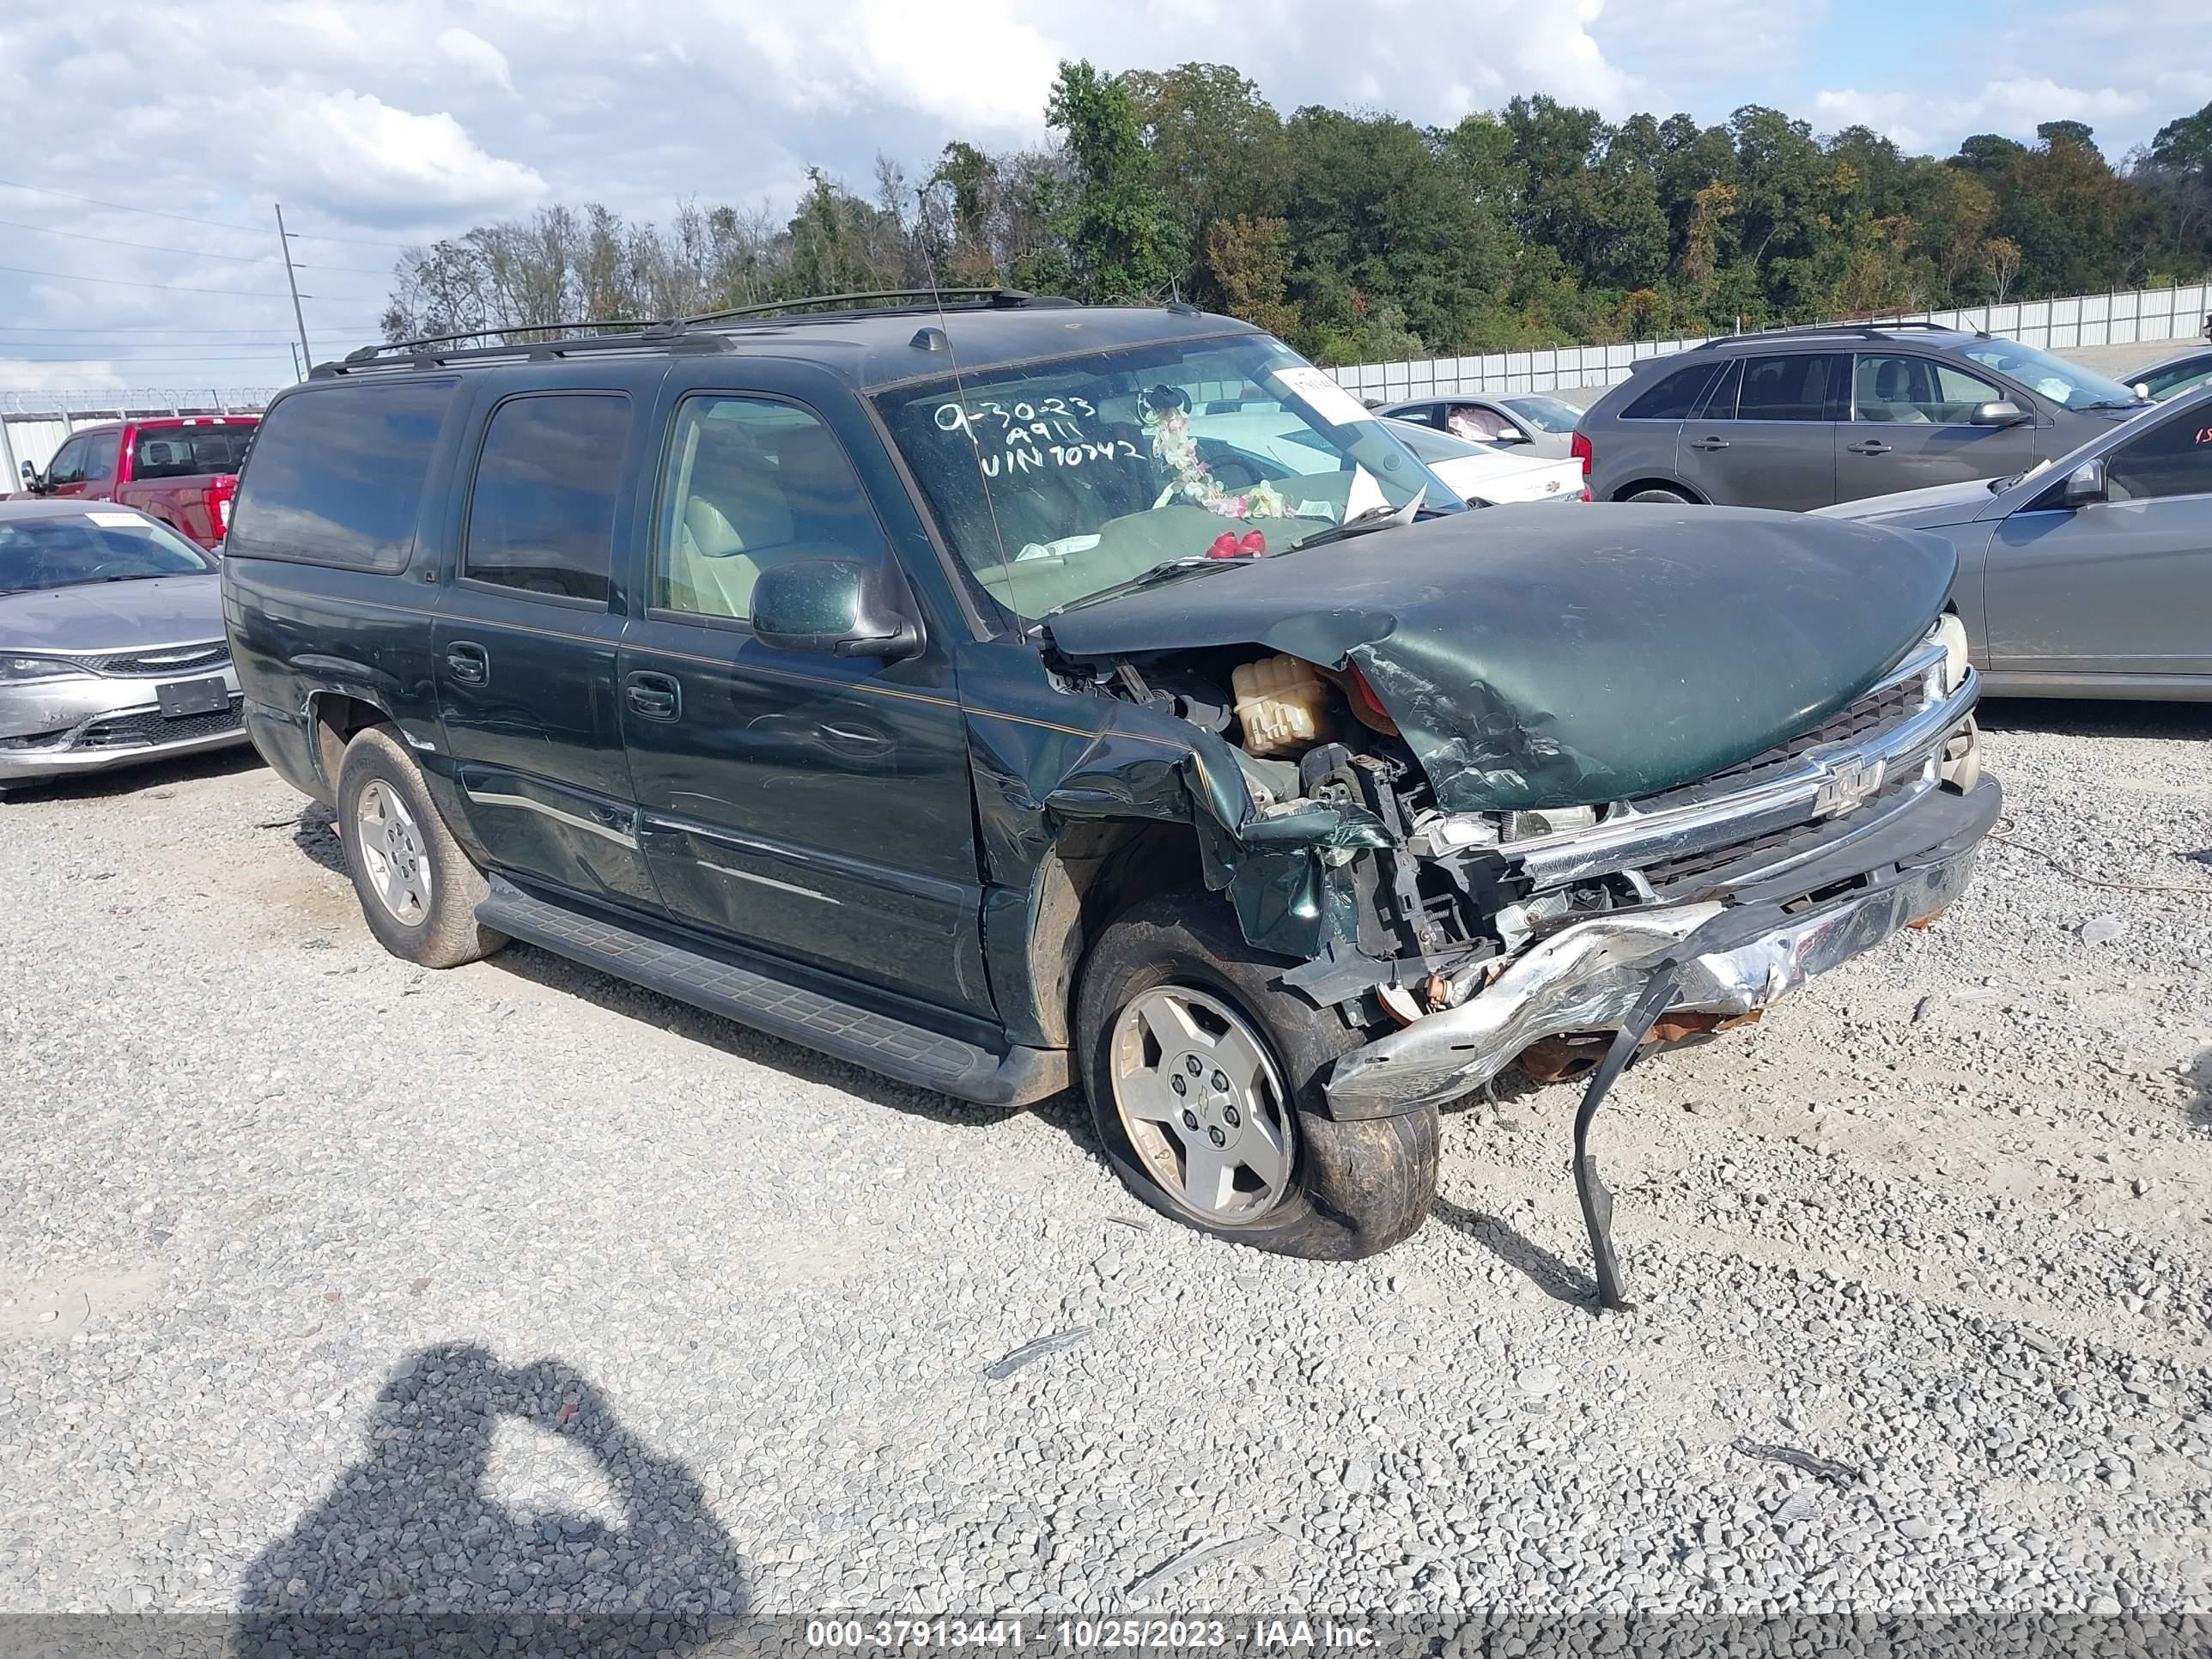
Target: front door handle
1709,443
1871,446
469,663
653,696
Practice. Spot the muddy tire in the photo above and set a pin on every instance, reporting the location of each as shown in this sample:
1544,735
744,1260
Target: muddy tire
1204,1082
418,890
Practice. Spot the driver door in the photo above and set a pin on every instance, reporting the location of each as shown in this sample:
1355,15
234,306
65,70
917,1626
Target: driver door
2123,586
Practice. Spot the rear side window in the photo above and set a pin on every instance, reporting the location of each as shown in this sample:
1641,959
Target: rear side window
337,475
1673,398
100,459
542,515
1786,388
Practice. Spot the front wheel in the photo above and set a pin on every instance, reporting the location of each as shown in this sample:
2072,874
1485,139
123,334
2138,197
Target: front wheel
1667,497
1204,1079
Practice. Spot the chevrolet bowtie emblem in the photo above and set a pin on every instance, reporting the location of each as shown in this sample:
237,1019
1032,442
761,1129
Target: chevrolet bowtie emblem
1847,786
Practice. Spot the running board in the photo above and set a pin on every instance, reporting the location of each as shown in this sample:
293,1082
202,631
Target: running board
908,1052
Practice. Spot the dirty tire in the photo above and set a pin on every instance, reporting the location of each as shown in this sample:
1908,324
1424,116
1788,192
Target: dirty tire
1355,1189
446,933
1665,497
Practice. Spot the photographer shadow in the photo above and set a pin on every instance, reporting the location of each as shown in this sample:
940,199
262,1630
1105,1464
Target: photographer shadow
411,1553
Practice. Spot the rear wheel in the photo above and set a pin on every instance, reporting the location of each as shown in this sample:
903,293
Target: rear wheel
1655,493
1204,1077
418,890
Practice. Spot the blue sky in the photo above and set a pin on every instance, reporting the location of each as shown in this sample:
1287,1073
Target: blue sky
381,125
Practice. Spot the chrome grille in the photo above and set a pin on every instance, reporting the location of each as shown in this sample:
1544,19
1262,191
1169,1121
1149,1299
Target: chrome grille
166,662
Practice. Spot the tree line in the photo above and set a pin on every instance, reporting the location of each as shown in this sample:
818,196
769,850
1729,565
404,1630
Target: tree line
1359,237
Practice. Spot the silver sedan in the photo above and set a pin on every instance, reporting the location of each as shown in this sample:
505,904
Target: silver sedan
112,648
2090,576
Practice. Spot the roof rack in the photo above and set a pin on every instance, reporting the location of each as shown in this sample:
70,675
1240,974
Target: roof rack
1870,330
667,333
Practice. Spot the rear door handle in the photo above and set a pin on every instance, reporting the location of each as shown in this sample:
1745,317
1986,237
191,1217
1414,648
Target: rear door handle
471,663
1709,443
1871,446
653,696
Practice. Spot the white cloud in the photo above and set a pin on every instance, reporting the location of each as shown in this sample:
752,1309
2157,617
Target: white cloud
1893,114
470,53
26,375
350,152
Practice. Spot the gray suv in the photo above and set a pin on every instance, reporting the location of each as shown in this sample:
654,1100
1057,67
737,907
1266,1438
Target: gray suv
1807,417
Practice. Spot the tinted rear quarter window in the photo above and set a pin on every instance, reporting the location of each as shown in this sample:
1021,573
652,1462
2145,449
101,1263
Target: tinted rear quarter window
542,513
1785,387
1673,398
336,475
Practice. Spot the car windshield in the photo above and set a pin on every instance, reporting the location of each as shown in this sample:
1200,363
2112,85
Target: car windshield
1545,414
2054,377
66,551
1058,480
2177,377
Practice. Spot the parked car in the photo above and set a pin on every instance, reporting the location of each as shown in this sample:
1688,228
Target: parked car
111,647
2090,576
180,469
1486,474
1545,425
2171,376
1805,417
960,690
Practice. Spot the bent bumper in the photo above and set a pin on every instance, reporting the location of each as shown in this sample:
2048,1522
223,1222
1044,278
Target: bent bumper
1734,959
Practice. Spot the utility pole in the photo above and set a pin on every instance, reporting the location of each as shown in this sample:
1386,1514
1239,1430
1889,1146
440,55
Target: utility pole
294,351
284,241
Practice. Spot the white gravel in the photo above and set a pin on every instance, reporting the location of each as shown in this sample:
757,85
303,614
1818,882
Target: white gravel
327,1283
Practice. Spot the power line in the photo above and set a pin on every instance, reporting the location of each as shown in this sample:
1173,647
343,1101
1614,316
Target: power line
186,218
192,252
179,288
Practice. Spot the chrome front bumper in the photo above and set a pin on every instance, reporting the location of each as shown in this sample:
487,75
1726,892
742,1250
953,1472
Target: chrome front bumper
1733,959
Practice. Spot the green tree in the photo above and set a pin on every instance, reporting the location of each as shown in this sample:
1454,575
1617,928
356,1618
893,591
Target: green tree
1251,261
1123,240
1216,147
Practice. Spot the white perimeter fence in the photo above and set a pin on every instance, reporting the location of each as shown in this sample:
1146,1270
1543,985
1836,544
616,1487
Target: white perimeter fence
32,424
2148,315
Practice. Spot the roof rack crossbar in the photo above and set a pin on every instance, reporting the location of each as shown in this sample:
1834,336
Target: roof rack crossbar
1869,329
370,353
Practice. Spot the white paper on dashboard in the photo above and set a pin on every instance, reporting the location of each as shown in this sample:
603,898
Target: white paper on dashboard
1323,396
117,521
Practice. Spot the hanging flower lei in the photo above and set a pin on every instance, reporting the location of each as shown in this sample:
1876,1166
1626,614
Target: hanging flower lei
1176,450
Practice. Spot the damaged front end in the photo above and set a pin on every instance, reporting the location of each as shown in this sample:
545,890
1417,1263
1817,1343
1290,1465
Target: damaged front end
1490,852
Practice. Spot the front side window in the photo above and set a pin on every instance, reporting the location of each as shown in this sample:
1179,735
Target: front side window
542,514
1058,480
1546,414
1479,425
750,483
67,466
2062,382
2182,377
337,475
2174,457
1917,390
70,551
1792,387
189,451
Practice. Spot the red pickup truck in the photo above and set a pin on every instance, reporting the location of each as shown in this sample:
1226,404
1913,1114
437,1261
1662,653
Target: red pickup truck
180,469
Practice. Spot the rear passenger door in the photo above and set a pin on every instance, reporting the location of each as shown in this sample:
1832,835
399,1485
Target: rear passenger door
1910,424
814,807
527,634
1766,436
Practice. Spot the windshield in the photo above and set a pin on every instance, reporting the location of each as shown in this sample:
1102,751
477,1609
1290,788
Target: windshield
1545,414
2177,377
92,547
1058,480
2054,377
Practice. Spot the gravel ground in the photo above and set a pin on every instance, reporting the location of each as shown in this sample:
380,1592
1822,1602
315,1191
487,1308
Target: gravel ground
327,1283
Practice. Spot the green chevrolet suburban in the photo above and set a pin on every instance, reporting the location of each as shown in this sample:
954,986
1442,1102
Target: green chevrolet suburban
1006,696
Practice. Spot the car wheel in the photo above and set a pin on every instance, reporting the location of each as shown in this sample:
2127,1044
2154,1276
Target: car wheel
1205,1079
1670,497
418,890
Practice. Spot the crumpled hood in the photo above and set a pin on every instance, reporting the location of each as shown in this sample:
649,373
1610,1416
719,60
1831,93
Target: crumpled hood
1535,656
114,615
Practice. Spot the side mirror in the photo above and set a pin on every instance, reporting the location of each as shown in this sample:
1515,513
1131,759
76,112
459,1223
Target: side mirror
32,481
2084,485
844,606
2141,389
2004,412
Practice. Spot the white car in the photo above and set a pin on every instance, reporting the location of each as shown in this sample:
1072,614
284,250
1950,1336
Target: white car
1486,475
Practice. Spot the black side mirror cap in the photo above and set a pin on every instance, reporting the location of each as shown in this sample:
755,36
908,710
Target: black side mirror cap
2003,412
846,607
2084,485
